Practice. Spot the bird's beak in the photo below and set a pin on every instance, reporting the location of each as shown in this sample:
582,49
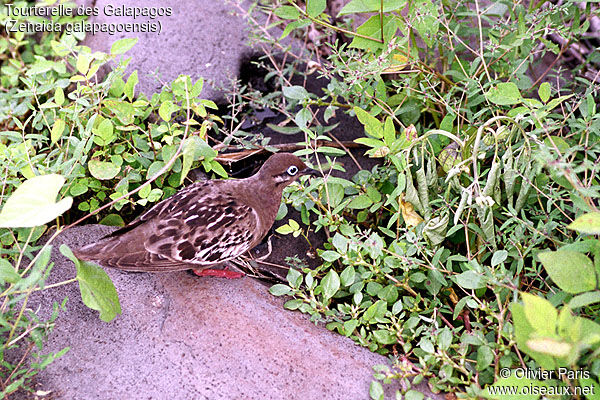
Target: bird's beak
310,171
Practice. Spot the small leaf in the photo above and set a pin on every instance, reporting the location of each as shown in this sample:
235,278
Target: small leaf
295,92
83,63
122,45
544,92
330,256
113,220
376,391
499,257
587,223
504,94
360,202
584,299
7,272
33,203
347,276
470,280
59,96
372,125
384,336
57,130
97,290
129,88
364,6
103,170
166,109
330,284
280,290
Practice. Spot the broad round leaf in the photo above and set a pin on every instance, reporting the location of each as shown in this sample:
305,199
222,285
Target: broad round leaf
587,223
34,203
504,94
103,170
572,271
330,284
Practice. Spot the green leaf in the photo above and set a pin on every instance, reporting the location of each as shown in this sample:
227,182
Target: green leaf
350,326
544,92
384,336
132,81
504,94
295,92
371,28
360,202
103,133
83,63
584,299
540,313
123,110
97,290
284,229
413,395
572,271
122,45
376,391
524,332
365,6
347,276
59,96
587,223
303,117
7,272
470,280
423,15
330,256
372,125
330,284
33,203
103,170
499,257
194,149
485,357
112,220
287,12
166,109
280,290
314,8
57,130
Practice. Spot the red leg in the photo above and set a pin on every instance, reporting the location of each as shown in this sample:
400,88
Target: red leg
220,273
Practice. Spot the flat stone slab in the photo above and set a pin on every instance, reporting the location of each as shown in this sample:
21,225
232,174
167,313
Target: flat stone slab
186,337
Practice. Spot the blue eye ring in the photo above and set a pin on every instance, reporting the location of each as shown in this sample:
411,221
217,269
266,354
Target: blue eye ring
292,170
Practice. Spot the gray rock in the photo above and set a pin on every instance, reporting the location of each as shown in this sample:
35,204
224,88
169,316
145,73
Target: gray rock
185,337
201,39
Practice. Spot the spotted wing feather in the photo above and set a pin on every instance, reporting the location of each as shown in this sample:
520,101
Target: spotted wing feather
195,227
205,232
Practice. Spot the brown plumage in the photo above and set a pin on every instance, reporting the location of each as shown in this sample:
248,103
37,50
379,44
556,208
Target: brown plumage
204,224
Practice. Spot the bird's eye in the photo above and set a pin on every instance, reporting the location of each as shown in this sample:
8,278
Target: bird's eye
293,170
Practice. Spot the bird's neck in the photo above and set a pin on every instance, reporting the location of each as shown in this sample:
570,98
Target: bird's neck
265,198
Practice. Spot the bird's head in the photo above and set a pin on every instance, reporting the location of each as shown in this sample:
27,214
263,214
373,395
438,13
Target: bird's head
282,169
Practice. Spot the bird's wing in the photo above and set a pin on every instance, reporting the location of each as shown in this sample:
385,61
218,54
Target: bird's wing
204,230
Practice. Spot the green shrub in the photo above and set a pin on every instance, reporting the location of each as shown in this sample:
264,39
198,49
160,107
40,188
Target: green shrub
430,253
